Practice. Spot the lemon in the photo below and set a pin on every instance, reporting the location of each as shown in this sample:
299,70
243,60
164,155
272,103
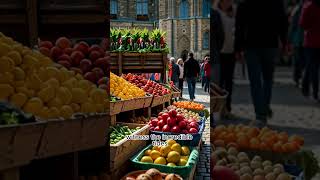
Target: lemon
171,164
155,154
147,152
173,157
171,142
185,151
164,150
176,147
157,148
146,159
182,162
185,157
160,160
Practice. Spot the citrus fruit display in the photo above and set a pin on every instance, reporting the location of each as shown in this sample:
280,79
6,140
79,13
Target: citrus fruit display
189,105
171,155
252,138
121,88
34,83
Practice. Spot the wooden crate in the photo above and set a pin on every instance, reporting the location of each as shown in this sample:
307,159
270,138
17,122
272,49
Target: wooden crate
116,107
19,143
93,131
161,100
136,103
60,137
125,149
138,63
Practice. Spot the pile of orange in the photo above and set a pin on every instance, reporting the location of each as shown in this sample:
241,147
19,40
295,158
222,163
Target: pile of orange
189,105
251,138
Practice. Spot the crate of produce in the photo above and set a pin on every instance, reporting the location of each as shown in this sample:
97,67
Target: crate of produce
116,107
60,136
122,150
196,137
161,100
135,174
93,130
183,171
18,145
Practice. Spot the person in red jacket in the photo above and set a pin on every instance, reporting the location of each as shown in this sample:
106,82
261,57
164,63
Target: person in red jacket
309,21
207,73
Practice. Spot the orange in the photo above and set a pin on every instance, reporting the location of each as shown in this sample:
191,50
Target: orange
243,142
283,137
235,145
230,138
219,143
254,144
253,132
297,139
277,147
264,147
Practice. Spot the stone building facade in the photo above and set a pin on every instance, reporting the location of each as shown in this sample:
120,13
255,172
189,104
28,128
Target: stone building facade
187,22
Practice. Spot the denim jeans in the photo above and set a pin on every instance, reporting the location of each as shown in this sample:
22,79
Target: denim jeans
191,86
260,62
312,56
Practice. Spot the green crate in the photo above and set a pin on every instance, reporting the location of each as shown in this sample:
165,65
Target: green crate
183,171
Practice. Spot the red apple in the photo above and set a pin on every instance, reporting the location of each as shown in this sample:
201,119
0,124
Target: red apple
96,48
157,128
184,131
160,113
94,55
76,57
46,44
85,65
171,121
151,128
154,122
102,63
182,124
180,117
223,173
68,51
90,76
161,123
65,63
63,43
165,116
166,128
98,71
65,57
175,129
55,52
82,47
194,125
172,113
45,51
193,130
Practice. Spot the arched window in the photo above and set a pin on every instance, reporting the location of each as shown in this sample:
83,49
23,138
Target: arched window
184,9
114,8
205,40
142,9
206,5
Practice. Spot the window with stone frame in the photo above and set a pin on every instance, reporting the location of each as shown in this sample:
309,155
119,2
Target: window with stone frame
205,40
114,9
206,5
142,10
184,9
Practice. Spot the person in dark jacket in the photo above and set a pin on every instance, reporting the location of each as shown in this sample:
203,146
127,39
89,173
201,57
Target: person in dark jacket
191,72
175,72
259,27
309,21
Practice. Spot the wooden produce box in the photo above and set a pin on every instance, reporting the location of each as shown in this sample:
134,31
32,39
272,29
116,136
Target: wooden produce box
125,149
138,63
19,143
116,107
136,103
161,100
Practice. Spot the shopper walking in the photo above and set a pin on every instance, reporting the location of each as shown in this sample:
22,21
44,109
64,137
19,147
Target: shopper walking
175,72
207,73
227,57
310,23
180,64
296,42
191,72
202,75
259,26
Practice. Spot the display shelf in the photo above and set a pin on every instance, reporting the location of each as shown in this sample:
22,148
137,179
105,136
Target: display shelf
139,63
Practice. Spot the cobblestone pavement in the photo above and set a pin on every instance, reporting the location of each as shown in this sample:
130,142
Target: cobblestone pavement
292,112
203,166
